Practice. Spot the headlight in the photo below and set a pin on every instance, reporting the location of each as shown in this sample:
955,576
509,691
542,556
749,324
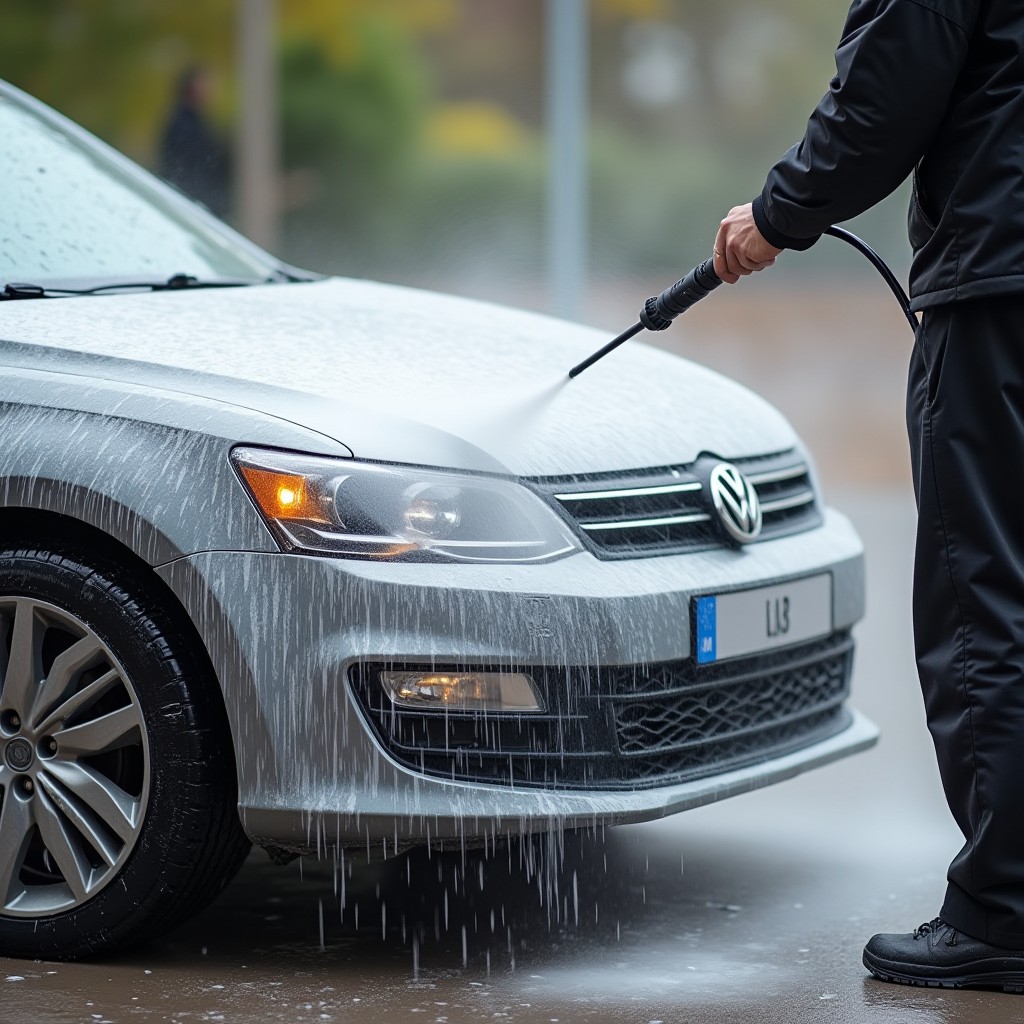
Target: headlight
398,513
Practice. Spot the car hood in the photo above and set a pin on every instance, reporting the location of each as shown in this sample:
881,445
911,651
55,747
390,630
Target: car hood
403,375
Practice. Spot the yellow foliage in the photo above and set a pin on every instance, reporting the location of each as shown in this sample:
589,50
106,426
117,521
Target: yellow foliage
474,129
333,23
639,9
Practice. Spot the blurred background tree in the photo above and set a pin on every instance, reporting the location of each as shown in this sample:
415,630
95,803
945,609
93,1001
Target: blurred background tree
411,131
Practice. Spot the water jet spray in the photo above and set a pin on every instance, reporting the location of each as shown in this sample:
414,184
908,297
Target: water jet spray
661,310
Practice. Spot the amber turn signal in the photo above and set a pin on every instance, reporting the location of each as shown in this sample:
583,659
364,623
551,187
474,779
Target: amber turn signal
281,495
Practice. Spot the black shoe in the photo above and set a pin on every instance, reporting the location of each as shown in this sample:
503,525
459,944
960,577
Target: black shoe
939,956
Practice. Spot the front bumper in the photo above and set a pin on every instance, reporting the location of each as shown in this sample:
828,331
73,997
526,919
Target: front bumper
425,814
283,632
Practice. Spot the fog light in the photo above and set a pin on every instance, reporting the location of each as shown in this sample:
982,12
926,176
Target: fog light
464,691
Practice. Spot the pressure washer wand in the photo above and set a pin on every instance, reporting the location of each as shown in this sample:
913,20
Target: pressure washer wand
659,311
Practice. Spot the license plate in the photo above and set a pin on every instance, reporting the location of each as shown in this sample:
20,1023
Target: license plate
752,621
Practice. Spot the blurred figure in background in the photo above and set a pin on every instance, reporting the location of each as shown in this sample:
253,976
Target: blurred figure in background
192,157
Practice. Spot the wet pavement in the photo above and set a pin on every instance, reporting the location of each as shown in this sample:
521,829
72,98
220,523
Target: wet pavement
752,910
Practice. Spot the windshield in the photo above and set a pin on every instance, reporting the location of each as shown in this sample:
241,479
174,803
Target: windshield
71,212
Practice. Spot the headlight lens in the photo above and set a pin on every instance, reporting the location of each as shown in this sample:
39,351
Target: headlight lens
398,513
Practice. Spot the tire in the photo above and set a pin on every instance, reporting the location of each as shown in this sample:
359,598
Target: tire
118,813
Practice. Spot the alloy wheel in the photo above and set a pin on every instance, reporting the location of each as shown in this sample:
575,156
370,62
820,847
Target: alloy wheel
74,761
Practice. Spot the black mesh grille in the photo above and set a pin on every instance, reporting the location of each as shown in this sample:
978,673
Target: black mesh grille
630,726
668,510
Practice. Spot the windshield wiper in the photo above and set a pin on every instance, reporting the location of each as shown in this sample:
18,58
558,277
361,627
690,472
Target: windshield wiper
176,282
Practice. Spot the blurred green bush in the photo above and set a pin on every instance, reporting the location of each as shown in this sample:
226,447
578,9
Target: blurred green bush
349,132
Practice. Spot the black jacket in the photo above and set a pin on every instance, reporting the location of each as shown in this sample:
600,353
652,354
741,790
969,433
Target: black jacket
930,86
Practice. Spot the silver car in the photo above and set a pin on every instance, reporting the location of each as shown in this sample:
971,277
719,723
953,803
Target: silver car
316,563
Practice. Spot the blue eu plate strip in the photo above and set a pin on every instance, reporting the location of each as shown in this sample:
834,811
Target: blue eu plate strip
706,630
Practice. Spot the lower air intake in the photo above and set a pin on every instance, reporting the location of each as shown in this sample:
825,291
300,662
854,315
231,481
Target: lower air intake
626,727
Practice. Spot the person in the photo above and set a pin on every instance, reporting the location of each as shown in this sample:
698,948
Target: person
936,88
191,156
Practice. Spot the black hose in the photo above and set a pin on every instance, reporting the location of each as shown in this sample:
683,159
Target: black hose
881,266
659,311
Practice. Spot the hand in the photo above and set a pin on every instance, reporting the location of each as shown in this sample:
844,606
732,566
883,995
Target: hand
740,249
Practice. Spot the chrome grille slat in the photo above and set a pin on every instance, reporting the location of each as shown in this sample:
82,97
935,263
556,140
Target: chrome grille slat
792,473
642,524
667,510
782,504
630,492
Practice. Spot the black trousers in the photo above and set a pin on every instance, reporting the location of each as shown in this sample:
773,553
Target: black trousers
965,417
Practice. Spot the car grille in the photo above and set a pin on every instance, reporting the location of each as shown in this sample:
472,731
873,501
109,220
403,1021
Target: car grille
626,727
668,510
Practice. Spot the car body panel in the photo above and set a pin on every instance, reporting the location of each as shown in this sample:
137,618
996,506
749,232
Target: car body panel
149,468
301,742
461,814
401,375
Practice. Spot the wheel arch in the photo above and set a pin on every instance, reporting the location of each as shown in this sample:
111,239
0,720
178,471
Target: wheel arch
35,501
21,525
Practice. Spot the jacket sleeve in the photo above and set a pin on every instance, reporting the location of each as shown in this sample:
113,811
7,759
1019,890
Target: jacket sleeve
897,64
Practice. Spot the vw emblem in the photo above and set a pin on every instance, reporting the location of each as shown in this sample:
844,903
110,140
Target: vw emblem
736,503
